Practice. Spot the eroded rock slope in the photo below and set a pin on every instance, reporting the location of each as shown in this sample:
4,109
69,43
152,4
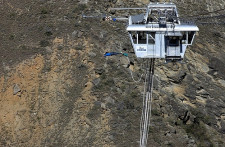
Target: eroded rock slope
57,89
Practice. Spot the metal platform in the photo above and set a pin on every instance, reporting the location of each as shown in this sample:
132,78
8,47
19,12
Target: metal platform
159,32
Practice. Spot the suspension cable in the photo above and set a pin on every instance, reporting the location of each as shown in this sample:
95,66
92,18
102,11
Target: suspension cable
216,11
131,73
147,100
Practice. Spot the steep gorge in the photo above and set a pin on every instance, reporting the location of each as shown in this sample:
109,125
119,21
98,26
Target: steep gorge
57,89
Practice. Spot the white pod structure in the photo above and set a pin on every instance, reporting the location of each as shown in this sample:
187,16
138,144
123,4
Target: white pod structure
159,33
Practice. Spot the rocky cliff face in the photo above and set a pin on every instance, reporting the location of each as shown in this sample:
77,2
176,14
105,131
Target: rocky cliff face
57,89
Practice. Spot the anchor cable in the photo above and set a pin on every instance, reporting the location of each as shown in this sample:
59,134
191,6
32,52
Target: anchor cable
147,100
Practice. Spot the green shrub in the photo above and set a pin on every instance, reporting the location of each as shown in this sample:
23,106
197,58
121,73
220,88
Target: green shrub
44,43
44,11
11,37
79,8
12,15
48,33
79,47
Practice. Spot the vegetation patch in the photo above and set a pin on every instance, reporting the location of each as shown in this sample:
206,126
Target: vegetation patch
79,8
95,112
44,43
207,119
106,82
79,47
44,11
199,131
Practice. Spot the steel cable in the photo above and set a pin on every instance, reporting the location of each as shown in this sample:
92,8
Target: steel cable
147,100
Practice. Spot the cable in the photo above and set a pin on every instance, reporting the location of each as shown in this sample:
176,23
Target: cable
195,19
131,73
208,13
147,100
142,121
216,16
132,76
213,23
200,18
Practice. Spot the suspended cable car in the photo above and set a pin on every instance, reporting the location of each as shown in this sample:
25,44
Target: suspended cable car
159,33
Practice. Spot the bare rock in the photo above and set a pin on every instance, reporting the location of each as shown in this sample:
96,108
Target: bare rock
84,1
98,103
177,77
222,82
74,34
223,126
91,54
99,71
202,93
96,81
79,34
110,100
16,89
48,50
156,82
103,105
124,62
